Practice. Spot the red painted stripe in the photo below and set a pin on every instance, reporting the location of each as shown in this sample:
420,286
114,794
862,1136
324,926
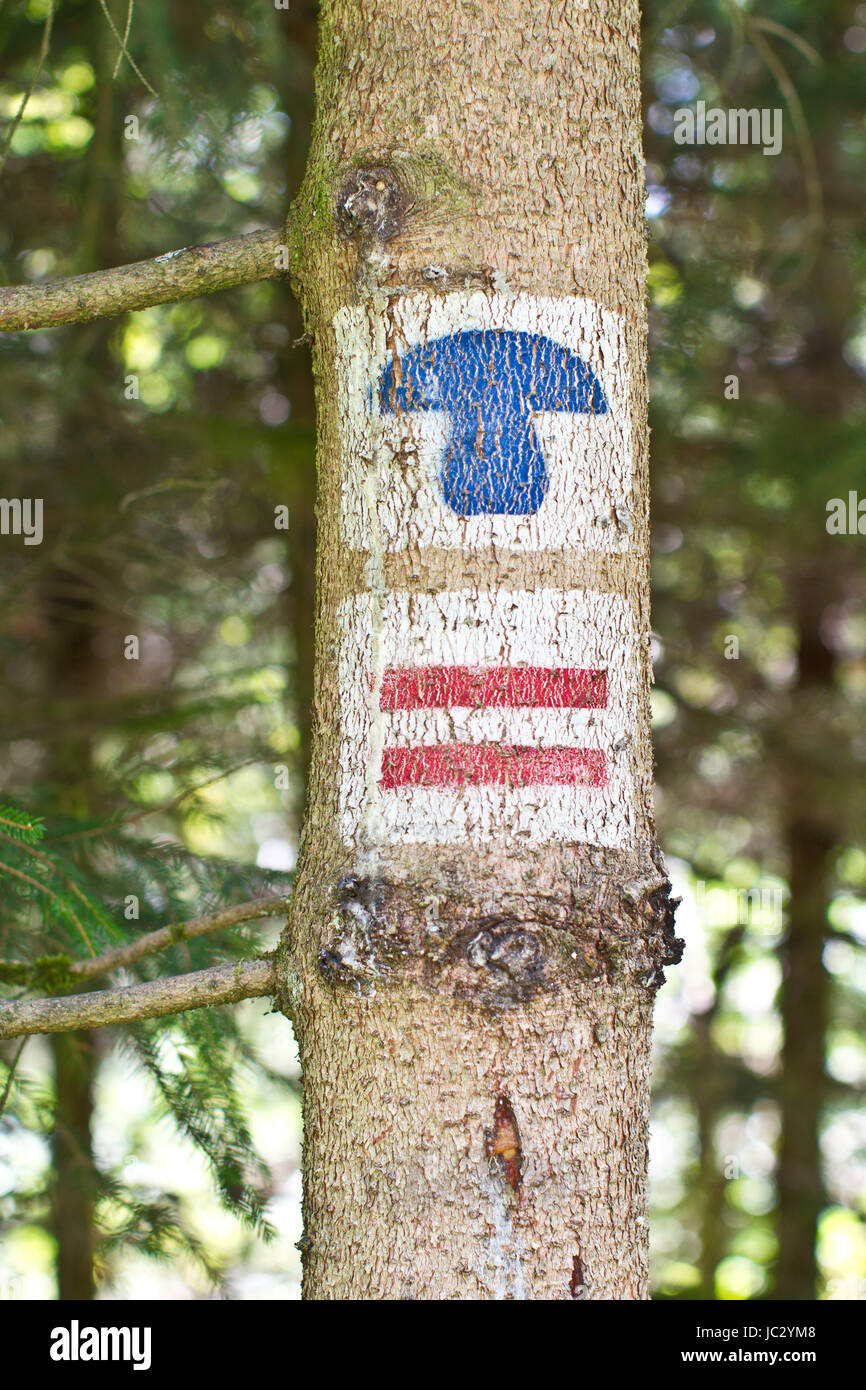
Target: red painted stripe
441,687
474,764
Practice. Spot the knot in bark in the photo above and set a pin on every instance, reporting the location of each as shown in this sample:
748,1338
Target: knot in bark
371,206
509,951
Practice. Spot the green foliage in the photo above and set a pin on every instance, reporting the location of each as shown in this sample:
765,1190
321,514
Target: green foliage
50,883
151,780
153,1224
71,905
760,754
17,825
197,1084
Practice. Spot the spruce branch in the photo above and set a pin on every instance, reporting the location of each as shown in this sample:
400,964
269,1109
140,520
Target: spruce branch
34,974
18,825
221,984
34,883
10,1077
169,936
67,882
177,275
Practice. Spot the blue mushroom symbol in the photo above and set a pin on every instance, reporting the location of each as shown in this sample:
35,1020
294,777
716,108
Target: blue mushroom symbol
491,382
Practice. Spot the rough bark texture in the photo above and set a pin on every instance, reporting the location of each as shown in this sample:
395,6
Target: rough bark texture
472,994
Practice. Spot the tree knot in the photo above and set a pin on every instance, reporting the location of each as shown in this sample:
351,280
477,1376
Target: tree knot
371,206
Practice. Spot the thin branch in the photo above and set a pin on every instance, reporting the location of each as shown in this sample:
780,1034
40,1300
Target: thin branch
177,275
222,984
17,824
40,63
13,1067
124,51
158,940
809,161
162,809
34,882
123,48
796,40
190,791
170,485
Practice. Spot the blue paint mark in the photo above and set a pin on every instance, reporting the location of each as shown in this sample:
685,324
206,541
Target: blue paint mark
491,382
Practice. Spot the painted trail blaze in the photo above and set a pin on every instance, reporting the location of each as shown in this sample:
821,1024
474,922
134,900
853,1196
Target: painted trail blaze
432,687
480,432
491,382
470,715
479,764
467,687
472,420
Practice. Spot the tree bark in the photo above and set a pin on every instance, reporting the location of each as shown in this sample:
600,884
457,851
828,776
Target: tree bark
75,1178
811,830
803,1084
471,963
76,672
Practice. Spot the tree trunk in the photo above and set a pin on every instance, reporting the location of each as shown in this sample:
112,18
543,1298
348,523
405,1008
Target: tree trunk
816,818
78,673
75,1178
811,832
481,915
802,1086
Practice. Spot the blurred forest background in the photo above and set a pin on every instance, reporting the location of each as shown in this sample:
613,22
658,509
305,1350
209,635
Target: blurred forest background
162,1161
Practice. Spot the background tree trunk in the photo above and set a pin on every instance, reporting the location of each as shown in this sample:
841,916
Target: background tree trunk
811,838
474,1012
814,820
75,1178
75,615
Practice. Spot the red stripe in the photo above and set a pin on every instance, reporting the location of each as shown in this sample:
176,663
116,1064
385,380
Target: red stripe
441,687
472,764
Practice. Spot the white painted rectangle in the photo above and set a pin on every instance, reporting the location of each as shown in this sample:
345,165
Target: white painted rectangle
553,629
392,494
